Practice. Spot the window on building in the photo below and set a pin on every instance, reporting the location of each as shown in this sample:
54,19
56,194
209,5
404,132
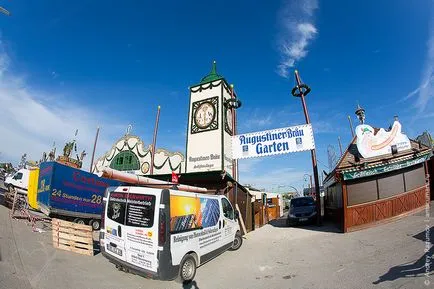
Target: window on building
125,161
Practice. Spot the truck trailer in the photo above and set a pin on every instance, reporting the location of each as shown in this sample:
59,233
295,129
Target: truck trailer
72,194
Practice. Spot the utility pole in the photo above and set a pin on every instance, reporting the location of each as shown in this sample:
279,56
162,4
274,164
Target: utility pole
301,90
154,140
93,152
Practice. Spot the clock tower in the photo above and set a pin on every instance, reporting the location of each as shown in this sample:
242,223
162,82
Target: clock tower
210,125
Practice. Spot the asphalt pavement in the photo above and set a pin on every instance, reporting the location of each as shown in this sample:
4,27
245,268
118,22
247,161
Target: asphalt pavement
274,256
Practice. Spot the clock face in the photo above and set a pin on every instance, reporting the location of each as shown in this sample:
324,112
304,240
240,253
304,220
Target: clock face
229,120
204,115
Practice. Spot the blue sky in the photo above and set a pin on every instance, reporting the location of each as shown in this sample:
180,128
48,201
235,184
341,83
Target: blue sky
82,64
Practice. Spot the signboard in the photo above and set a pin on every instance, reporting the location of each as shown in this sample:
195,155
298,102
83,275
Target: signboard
273,142
351,175
372,145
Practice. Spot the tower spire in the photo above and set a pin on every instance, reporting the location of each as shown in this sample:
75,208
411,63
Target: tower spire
360,112
213,75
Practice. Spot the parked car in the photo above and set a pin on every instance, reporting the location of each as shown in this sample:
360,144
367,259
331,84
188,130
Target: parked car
19,180
301,210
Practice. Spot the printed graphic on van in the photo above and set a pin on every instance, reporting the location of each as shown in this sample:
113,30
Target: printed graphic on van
117,206
140,210
187,213
134,210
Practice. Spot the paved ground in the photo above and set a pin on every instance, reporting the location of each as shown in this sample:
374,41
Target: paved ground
388,256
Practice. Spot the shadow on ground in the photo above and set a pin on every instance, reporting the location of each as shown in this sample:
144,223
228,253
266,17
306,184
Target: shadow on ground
419,267
328,227
190,285
96,248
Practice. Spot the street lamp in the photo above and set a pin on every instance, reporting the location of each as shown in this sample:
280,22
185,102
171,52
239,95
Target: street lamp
4,11
301,90
294,188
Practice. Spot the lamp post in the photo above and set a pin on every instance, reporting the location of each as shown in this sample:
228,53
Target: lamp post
4,11
305,177
301,90
294,188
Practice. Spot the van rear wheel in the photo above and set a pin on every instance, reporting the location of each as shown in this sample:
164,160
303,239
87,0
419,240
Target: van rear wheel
187,269
238,241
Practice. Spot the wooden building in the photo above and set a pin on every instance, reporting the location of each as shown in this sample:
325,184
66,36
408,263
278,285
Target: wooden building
364,191
266,206
219,182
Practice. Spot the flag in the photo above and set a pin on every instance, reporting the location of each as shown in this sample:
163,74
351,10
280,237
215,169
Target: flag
175,178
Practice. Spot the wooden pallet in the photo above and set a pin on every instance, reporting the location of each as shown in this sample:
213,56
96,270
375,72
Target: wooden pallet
72,237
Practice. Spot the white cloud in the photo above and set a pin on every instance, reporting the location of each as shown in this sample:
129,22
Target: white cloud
296,20
246,166
273,178
423,86
32,120
425,91
322,126
255,121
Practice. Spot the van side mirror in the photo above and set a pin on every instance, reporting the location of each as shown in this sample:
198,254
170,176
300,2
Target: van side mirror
237,215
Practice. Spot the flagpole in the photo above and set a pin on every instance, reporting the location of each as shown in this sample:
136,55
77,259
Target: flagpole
94,148
340,145
301,90
154,140
351,126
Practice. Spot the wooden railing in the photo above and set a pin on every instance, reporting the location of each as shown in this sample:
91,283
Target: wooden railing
369,214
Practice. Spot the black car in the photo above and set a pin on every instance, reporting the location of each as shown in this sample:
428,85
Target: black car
301,210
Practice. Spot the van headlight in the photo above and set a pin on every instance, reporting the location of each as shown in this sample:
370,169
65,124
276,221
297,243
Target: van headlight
291,215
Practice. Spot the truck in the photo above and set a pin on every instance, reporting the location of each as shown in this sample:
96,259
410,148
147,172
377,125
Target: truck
72,194
19,180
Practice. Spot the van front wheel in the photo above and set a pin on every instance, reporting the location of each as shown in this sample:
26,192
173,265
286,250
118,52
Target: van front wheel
238,241
187,269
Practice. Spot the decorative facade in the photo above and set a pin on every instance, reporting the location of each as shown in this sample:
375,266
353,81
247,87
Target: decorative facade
130,154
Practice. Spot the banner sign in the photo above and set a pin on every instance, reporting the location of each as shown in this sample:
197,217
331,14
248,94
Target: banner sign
384,169
273,142
373,145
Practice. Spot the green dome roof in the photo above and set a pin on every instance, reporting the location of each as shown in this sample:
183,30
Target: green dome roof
212,76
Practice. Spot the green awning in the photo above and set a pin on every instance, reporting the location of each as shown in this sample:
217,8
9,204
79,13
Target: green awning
355,174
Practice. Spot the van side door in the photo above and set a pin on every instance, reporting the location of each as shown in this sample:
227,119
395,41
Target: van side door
229,223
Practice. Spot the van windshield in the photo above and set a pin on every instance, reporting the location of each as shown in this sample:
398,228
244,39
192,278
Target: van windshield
134,210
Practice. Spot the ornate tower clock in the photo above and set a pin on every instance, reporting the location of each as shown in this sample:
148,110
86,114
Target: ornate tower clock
210,125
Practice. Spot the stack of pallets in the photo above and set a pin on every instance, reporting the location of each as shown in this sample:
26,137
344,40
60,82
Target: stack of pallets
72,237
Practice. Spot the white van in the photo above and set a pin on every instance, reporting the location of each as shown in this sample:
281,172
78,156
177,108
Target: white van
165,234
19,180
